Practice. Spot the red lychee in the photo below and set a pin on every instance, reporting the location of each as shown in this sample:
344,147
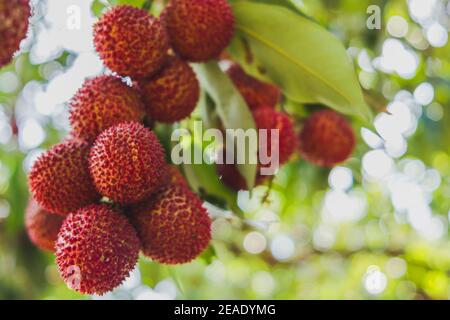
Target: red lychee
42,227
172,94
269,119
60,179
14,21
230,176
127,163
96,249
173,226
174,177
199,30
101,103
256,93
131,42
327,139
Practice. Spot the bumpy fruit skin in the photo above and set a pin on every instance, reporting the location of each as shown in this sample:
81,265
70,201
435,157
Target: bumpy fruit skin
131,42
14,21
96,249
127,163
199,30
173,226
268,118
327,139
256,93
174,177
101,103
60,179
172,94
42,227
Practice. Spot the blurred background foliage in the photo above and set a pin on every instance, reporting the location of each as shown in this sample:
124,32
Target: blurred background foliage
374,228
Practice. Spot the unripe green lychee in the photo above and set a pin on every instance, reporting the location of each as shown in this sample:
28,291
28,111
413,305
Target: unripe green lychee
127,163
14,21
199,30
96,249
101,103
327,139
60,179
172,94
131,42
173,226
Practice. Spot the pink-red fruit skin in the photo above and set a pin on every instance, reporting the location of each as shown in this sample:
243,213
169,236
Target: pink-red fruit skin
327,139
42,227
131,42
60,181
127,163
199,30
256,93
172,94
173,226
174,177
96,249
14,21
231,177
101,103
269,119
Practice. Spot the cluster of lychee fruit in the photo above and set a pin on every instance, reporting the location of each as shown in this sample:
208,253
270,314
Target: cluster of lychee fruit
107,192
325,139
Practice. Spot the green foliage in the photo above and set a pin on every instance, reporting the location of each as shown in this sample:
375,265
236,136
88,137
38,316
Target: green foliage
305,60
231,109
278,41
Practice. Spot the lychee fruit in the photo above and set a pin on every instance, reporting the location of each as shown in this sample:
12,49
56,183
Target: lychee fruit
269,119
327,139
101,103
199,30
173,226
127,163
97,248
174,177
131,42
14,21
42,227
256,93
172,94
230,176
60,179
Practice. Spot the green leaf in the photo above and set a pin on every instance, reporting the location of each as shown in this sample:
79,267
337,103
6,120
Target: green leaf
134,3
310,64
203,178
231,109
173,272
284,3
209,255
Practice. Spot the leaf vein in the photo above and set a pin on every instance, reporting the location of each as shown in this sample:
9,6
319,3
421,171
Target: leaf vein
293,60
